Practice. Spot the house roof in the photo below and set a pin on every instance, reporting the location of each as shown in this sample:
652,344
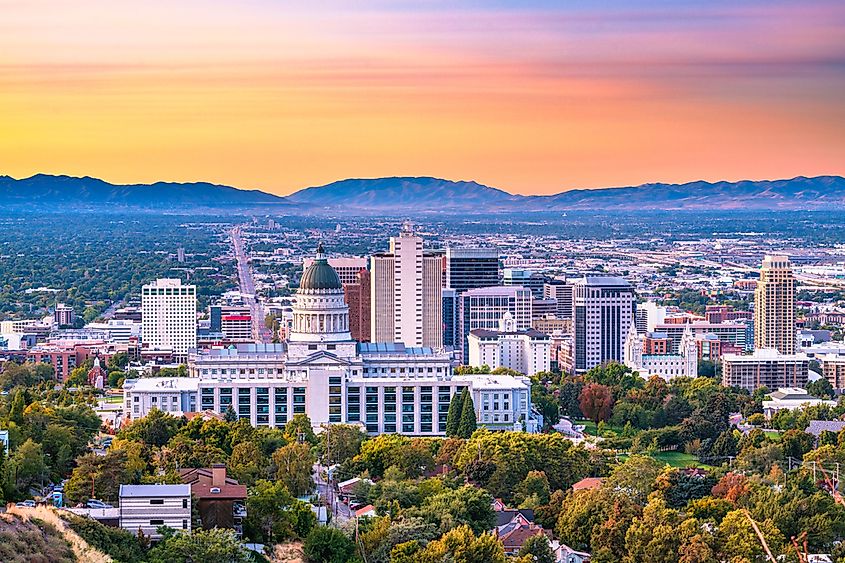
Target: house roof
816,427
204,491
365,510
507,515
588,483
514,539
141,491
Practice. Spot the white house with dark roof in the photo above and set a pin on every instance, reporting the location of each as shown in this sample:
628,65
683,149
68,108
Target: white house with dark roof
791,398
148,507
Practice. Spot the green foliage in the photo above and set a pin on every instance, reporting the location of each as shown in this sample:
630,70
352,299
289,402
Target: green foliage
339,443
537,549
453,417
328,545
155,429
274,516
465,506
467,424
298,429
200,545
294,463
104,474
119,544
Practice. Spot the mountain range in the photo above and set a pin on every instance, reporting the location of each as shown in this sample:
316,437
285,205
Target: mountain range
424,194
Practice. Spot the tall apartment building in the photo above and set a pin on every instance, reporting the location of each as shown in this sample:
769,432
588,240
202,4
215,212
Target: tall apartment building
63,315
561,292
765,368
451,322
357,296
470,268
833,369
485,307
169,315
406,293
774,309
604,312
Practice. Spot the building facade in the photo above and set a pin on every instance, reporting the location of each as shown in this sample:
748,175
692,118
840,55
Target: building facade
651,356
169,315
526,351
347,268
406,293
357,296
485,307
322,372
765,368
148,507
561,292
604,312
529,279
774,306
471,268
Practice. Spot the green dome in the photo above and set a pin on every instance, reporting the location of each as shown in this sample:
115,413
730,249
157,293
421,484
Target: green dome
320,275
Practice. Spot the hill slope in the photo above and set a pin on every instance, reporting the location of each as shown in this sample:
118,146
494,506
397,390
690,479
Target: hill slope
72,191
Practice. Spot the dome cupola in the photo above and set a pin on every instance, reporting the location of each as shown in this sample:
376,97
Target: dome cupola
320,275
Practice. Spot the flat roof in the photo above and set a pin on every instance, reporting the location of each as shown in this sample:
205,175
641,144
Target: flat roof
154,491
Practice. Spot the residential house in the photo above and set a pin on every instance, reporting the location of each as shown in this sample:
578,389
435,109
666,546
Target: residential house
221,500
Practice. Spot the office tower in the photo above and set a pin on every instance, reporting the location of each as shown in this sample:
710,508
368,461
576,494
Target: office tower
774,309
485,307
169,315
451,323
63,316
180,255
469,268
525,278
347,268
357,297
543,308
604,312
406,288
561,292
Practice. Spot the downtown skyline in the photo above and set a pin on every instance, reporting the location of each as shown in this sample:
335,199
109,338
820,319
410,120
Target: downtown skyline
531,98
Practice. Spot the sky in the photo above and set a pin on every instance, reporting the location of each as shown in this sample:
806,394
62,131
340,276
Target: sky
529,96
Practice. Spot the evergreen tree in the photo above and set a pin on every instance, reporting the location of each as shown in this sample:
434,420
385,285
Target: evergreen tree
453,418
467,424
231,415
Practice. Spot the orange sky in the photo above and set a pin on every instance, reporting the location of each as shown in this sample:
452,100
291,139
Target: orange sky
529,97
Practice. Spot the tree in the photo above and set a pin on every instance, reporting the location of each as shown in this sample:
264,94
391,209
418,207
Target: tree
468,422
274,516
28,464
453,417
636,477
340,442
294,463
654,536
796,443
466,506
104,473
596,402
461,545
737,538
155,429
200,545
534,489
328,545
537,549
299,429
230,415
821,388
247,463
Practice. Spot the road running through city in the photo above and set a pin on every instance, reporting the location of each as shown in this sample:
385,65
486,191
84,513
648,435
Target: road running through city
260,333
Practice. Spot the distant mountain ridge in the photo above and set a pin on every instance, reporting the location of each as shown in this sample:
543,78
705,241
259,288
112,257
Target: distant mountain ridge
408,195
87,191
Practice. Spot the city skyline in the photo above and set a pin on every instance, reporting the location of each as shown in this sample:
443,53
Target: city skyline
531,98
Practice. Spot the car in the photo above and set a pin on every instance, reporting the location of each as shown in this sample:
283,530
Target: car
94,503
26,504
355,505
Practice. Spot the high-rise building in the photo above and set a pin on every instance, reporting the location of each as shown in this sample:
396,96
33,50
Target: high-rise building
357,297
561,292
485,307
765,368
406,293
63,315
774,308
604,312
451,322
525,278
470,268
169,315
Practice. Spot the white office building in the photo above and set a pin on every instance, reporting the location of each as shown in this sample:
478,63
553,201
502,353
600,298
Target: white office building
603,313
169,315
487,306
526,351
148,507
321,372
406,293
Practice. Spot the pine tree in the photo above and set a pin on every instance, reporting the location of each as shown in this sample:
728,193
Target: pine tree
453,418
231,415
467,424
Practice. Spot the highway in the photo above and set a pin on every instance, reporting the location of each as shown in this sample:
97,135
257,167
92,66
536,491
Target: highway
260,333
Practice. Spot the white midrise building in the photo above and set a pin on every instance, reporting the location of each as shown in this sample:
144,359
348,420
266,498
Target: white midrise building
169,315
526,351
321,372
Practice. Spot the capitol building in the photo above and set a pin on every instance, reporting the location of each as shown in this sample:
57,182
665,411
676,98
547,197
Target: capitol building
322,372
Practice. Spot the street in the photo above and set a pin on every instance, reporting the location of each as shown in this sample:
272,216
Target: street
260,333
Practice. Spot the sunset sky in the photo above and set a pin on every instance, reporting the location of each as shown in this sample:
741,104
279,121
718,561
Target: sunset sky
528,96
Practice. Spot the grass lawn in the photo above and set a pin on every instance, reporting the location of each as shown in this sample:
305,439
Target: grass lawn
773,435
677,459
114,398
590,427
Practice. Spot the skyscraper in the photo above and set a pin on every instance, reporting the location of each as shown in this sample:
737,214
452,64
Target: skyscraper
525,278
561,292
774,309
406,285
169,315
604,311
470,268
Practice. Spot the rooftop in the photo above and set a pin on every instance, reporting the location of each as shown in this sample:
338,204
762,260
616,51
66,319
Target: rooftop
141,491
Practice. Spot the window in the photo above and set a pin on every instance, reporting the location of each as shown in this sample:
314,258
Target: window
184,503
156,501
184,524
156,522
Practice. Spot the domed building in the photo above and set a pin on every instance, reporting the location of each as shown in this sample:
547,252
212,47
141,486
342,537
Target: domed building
322,372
